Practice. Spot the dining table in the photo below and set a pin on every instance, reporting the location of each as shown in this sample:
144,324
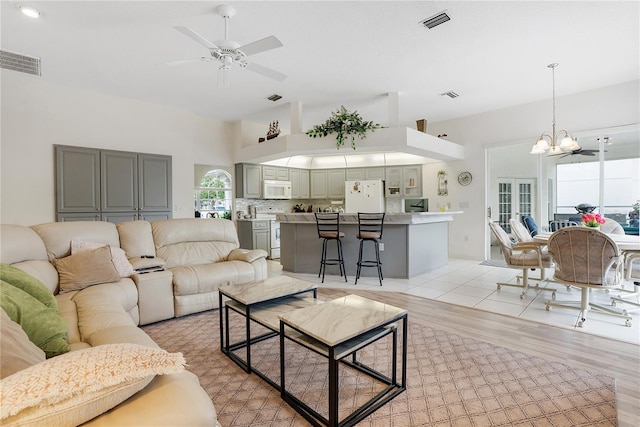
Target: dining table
625,242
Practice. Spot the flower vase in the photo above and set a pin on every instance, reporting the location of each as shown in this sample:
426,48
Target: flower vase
593,228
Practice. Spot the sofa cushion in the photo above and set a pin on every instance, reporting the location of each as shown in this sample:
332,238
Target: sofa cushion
136,238
191,241
118,256
78,386
16,351
85,269
57,236
27,283
43,325
196,279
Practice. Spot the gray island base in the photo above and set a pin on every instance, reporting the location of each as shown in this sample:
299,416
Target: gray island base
414,243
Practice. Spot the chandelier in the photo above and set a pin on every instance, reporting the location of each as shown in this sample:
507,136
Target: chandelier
548,143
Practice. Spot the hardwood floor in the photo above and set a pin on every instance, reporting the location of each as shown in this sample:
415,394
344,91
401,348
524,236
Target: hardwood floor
597,354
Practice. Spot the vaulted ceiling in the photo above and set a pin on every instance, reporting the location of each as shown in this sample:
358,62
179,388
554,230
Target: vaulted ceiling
493,54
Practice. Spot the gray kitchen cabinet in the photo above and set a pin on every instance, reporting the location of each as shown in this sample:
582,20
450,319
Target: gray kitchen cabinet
119,181
125,185
327,183
248,181
304,183
77,179
254,235
275,173
66,217
335,183
299,183
361,174
375,173
318,184
404,181
154,176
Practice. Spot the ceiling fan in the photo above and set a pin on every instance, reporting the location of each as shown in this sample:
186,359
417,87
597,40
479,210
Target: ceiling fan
228,52
581,152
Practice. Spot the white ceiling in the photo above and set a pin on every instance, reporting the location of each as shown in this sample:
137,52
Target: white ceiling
494,54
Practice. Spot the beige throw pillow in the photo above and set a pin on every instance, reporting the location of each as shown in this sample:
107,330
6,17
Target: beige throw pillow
80,385
118,256
85,269
17,352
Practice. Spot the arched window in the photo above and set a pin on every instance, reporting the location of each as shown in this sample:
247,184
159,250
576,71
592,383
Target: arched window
214,196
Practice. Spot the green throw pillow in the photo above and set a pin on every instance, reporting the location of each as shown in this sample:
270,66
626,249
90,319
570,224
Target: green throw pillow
43,325
18,278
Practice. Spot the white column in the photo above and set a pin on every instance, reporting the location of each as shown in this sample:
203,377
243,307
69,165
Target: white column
296,117
394,110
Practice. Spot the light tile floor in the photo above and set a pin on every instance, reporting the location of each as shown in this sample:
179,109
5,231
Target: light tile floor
467,283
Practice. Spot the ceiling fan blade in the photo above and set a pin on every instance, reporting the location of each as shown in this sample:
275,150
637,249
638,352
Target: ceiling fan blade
197,37
267,72
587,153
262,45
187,61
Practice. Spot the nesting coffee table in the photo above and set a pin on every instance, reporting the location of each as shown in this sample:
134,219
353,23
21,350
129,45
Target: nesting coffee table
335,329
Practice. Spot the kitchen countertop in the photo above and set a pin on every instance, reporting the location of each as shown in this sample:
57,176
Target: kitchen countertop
390,218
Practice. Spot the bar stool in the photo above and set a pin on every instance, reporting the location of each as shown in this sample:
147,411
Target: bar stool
329,229
370,230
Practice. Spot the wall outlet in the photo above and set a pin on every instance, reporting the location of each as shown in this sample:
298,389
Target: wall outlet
382,246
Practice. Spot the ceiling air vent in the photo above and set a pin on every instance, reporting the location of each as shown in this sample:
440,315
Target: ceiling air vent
435,20
21,63
451,94
274,97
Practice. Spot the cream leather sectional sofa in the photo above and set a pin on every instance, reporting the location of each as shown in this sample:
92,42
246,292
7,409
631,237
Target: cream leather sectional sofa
198,255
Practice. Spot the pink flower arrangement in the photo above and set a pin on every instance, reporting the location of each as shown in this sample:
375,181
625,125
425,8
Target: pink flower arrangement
592,220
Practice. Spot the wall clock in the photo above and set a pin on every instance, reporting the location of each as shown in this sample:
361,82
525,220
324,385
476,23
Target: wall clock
465,178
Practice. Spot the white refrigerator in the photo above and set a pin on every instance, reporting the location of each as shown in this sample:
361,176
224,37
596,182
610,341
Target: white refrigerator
364,196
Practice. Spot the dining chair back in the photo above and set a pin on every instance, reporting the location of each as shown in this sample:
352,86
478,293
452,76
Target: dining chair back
611,226
560,223
586,258
520,230
522,256
530,224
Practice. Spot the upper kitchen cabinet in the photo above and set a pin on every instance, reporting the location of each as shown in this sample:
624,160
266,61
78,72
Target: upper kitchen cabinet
362,174
77,179
403,181
327,183
248,181
299,183
275,173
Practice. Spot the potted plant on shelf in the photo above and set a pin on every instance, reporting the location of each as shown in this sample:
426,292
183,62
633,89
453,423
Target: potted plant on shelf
345,124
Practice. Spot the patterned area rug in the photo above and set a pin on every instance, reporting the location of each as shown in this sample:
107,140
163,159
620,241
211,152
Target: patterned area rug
495,263
452,381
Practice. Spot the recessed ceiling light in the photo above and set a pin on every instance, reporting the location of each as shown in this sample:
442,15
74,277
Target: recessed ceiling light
30,11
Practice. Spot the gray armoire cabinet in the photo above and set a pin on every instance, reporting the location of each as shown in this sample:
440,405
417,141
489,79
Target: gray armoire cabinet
114,186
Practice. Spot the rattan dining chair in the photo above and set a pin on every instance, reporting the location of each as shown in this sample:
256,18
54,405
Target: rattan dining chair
588,259
522,256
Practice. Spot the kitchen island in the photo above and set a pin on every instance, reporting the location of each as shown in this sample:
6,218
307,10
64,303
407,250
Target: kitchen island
414,243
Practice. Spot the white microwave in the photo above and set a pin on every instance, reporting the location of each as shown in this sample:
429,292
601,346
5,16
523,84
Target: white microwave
276,189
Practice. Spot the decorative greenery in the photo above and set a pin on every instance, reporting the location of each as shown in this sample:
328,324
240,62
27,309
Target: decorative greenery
346,125
636,206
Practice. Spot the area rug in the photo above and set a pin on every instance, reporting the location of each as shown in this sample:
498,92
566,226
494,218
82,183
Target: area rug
452,381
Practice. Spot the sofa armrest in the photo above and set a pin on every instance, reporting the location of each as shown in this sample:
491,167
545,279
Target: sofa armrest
247,255
148,263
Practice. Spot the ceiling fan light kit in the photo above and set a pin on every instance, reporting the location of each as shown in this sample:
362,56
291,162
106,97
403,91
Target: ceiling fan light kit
228,52
548,143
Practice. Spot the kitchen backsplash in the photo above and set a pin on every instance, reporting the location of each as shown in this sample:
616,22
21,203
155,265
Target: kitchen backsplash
392,205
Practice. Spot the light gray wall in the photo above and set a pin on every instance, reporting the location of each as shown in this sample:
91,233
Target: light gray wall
602,108
36,115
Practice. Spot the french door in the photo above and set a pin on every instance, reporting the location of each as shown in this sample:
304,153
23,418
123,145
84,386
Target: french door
516,197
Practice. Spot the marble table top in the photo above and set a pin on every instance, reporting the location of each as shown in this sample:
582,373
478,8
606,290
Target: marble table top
342,319
389,218
265,290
